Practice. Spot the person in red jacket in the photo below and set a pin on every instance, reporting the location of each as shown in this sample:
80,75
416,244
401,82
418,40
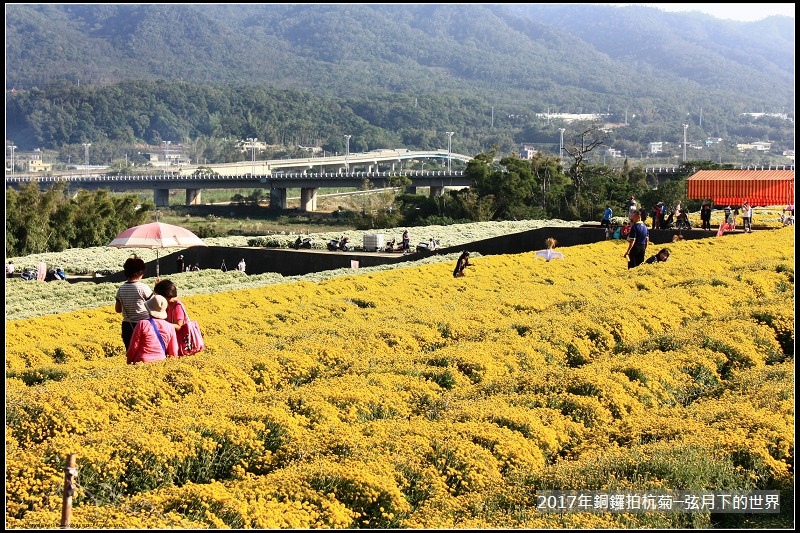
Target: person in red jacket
153,339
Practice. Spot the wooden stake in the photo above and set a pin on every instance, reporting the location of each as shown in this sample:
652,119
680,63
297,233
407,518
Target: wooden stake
70,473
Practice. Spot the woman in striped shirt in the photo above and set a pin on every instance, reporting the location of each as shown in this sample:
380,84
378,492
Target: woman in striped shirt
131,298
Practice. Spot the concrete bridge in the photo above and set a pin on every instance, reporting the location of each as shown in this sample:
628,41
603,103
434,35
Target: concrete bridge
277,183
278,175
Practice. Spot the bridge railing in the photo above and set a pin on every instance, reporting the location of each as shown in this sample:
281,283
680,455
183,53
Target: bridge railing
275,176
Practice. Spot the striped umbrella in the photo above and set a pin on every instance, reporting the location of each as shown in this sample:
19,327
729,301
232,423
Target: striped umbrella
156,235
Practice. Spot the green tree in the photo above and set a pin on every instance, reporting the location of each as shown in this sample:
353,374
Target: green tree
28,213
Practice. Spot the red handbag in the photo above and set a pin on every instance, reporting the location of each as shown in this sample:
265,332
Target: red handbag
190,338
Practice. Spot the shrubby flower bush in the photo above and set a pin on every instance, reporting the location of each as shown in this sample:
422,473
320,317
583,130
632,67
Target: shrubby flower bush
406,398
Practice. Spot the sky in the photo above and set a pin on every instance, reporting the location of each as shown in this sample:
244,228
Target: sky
740,12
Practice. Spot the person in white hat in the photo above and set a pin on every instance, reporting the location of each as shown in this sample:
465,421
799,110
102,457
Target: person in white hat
153,339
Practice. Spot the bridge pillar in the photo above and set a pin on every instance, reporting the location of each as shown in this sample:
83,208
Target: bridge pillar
277,198
193,196
436,191
161,197
308,199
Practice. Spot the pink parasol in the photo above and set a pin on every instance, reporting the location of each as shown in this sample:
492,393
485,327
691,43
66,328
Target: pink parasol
156,235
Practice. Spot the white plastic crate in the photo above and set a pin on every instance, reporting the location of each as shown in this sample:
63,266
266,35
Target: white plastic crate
373,242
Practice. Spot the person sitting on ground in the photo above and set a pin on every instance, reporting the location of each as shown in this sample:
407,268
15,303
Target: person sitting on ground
548,253
461,265
660,257
153,339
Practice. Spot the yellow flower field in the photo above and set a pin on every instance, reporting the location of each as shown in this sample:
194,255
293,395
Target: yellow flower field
408,398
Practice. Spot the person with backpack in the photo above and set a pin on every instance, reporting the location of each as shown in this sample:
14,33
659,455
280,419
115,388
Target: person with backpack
637,241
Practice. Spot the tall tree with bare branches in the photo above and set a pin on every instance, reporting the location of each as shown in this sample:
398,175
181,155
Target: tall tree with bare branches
580,145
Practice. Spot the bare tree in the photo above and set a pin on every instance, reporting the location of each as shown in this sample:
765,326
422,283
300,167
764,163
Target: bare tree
578,147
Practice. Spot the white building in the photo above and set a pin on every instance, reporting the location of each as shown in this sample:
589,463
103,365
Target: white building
527,151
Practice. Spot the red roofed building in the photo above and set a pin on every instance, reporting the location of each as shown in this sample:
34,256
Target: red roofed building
733,187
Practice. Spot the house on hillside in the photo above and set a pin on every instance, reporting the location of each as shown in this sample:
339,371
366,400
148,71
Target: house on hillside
761,146
527,151
172,157
30,161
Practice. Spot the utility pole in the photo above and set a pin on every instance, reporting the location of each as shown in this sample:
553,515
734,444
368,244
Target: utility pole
12,147
252,141
86,155
561,145
449,146
347,155
166,144
685,127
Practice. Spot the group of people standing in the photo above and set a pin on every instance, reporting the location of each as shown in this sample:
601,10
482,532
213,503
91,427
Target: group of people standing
729,216
151,319
181,266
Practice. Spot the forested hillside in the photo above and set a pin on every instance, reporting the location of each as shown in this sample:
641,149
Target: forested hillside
206,75
554,56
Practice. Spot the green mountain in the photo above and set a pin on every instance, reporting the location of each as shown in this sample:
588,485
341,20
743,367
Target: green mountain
119,75
564,57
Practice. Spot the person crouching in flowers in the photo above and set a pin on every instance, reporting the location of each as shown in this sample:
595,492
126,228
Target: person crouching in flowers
661,257
153,339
